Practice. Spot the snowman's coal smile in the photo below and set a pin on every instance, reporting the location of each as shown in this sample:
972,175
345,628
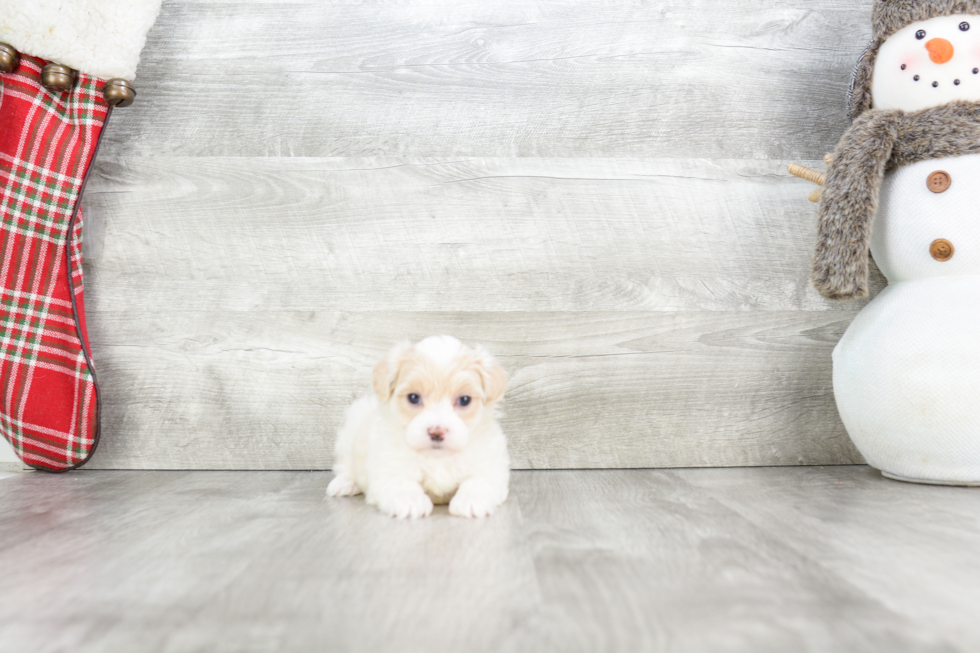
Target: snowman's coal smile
935,84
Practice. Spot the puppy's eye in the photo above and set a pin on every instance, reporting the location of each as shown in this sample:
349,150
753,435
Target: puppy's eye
464,401
414,399
921,34
965,27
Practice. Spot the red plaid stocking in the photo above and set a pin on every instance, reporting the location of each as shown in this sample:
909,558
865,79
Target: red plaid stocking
49,402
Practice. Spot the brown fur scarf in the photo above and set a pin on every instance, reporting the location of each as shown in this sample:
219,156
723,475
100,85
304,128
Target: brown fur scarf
878,140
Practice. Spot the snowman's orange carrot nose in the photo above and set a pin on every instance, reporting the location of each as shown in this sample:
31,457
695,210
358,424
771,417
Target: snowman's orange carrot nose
940,50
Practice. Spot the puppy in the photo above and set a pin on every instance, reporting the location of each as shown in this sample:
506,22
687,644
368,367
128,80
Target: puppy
428,434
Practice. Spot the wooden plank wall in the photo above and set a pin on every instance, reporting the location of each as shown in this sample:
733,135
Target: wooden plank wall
596,191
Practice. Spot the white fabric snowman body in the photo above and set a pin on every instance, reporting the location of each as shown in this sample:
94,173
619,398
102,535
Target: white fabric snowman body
907,371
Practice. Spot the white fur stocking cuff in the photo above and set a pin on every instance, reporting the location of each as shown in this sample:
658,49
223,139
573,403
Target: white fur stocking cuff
102,38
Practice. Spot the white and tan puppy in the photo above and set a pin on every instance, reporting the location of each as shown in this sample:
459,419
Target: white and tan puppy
428,434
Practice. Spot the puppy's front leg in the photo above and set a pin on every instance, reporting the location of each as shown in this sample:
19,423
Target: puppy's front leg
477,497
403,499
343,485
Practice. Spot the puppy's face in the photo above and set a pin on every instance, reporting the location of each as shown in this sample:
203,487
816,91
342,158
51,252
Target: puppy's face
440,390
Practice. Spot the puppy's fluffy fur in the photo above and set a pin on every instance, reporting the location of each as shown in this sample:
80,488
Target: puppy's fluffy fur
428,434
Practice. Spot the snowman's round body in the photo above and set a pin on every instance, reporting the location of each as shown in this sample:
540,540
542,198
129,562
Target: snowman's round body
907,371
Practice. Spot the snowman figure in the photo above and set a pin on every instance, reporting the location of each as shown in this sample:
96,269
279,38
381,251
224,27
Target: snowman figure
904,183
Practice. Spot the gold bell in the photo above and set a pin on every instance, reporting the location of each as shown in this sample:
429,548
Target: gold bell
119,93
8,58
58,78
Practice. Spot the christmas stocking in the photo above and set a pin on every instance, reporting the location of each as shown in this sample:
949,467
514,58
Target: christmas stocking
52,116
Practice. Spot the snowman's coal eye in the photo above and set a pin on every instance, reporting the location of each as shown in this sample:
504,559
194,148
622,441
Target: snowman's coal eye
921,34
965,27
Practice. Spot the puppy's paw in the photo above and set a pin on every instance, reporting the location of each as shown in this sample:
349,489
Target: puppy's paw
409,505
343,486
476,501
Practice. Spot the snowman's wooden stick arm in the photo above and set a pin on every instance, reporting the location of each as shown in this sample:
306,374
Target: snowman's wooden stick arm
801,171
819,178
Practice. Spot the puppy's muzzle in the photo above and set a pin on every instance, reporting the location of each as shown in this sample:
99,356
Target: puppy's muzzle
437,433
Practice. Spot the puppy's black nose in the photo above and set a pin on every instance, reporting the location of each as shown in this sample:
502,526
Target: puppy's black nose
437,433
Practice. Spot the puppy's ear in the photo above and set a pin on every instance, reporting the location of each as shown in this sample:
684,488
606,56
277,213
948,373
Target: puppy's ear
493,375
386,371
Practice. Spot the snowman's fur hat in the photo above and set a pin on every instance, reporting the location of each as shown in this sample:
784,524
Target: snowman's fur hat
889,16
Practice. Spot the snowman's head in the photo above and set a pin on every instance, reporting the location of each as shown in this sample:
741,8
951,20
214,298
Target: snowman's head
922,54
928,63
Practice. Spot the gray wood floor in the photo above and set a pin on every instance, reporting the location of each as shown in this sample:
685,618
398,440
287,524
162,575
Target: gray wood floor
595,191
766,559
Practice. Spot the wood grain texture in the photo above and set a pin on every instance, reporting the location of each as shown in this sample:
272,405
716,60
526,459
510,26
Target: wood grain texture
645,561
248,562
596,191
836,520
655,313
801,559
708,78
587,390
188,234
